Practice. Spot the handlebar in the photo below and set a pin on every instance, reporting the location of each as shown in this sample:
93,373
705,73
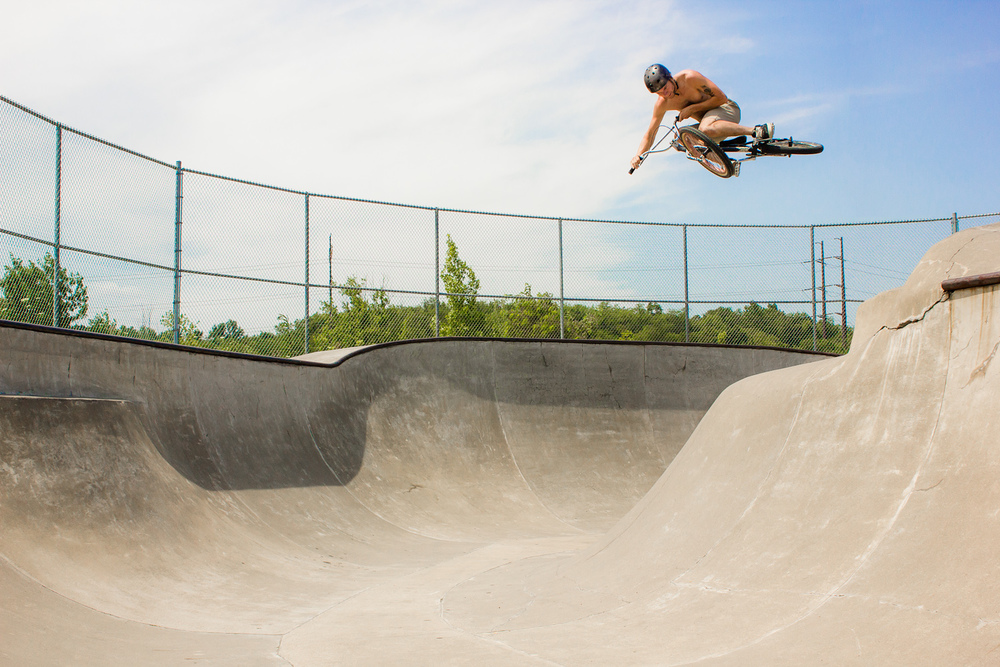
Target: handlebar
642,158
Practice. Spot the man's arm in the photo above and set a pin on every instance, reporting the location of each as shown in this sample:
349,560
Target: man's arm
659,110
713,97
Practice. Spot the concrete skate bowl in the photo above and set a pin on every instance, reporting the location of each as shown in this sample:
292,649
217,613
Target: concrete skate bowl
162,505
530,503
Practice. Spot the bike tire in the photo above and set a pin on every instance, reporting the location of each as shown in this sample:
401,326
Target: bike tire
789,147
706,152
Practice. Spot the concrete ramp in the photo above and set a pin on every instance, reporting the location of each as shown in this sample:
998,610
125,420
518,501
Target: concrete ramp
163,505
514,502
844,512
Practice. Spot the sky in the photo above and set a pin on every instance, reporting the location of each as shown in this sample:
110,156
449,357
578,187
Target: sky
533,107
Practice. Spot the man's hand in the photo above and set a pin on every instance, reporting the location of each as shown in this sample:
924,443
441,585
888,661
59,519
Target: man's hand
636,161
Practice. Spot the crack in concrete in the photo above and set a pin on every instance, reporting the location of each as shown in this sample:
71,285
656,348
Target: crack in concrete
981,369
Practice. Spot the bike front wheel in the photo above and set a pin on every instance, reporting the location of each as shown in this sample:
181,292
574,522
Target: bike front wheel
789,147
699,147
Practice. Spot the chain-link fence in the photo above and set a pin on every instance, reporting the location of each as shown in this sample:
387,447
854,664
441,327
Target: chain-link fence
95,236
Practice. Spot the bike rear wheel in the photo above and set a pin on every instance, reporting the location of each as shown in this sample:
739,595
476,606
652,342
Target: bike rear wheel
789,147
707,152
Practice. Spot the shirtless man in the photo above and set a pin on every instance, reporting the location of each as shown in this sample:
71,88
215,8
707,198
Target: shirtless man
693,95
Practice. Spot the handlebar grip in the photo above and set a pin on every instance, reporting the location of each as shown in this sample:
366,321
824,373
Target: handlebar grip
631,170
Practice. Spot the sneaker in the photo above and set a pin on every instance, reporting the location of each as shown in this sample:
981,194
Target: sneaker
763,132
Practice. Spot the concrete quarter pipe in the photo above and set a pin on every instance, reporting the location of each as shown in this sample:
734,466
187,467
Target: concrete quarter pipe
513,502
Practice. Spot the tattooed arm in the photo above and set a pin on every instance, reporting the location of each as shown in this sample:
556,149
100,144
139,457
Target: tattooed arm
711,96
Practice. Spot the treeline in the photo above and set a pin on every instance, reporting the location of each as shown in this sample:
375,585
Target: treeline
365,316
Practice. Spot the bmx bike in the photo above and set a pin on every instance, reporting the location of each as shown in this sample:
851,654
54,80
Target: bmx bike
697,146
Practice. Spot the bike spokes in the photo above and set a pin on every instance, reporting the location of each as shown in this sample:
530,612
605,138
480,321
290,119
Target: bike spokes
706,152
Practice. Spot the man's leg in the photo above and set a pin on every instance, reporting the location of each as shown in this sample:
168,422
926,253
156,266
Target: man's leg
720,129
722,122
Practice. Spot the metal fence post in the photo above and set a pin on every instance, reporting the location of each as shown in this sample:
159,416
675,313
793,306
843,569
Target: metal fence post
178,197
305,343
812,255
843,296
437,275
822,268
58,230
562,286
954,223
687,304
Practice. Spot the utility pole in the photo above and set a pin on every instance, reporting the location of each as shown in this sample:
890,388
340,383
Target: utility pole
843,295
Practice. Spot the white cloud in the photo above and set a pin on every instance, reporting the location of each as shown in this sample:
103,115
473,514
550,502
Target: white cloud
529,107
806,111
517,106
801,114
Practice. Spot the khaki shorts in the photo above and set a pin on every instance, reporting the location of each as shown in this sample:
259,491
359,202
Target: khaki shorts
729,111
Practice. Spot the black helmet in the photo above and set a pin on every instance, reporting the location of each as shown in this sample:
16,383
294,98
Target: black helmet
656,77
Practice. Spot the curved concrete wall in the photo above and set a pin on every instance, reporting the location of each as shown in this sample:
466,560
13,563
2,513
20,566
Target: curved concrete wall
204,492
448,501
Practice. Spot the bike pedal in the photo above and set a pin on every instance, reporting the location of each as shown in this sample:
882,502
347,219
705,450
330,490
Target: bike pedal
736,169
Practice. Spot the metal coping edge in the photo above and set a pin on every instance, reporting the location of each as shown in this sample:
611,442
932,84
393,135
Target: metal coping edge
968,282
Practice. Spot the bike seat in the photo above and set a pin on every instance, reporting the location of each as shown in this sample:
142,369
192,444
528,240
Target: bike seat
734,142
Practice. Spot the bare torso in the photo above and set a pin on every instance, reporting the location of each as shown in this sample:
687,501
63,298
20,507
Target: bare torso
692,90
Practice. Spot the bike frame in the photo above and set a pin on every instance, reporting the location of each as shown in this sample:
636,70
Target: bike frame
749,149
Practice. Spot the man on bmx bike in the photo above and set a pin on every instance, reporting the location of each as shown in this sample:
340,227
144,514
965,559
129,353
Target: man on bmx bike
693,95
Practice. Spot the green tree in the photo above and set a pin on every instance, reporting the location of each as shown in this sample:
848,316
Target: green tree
27,293
189,332
662,326
102,323
364,317
228,330
719,325
464,317
524,316
144,331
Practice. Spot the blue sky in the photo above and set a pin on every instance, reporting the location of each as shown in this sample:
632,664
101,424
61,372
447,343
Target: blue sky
533,106
900,93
